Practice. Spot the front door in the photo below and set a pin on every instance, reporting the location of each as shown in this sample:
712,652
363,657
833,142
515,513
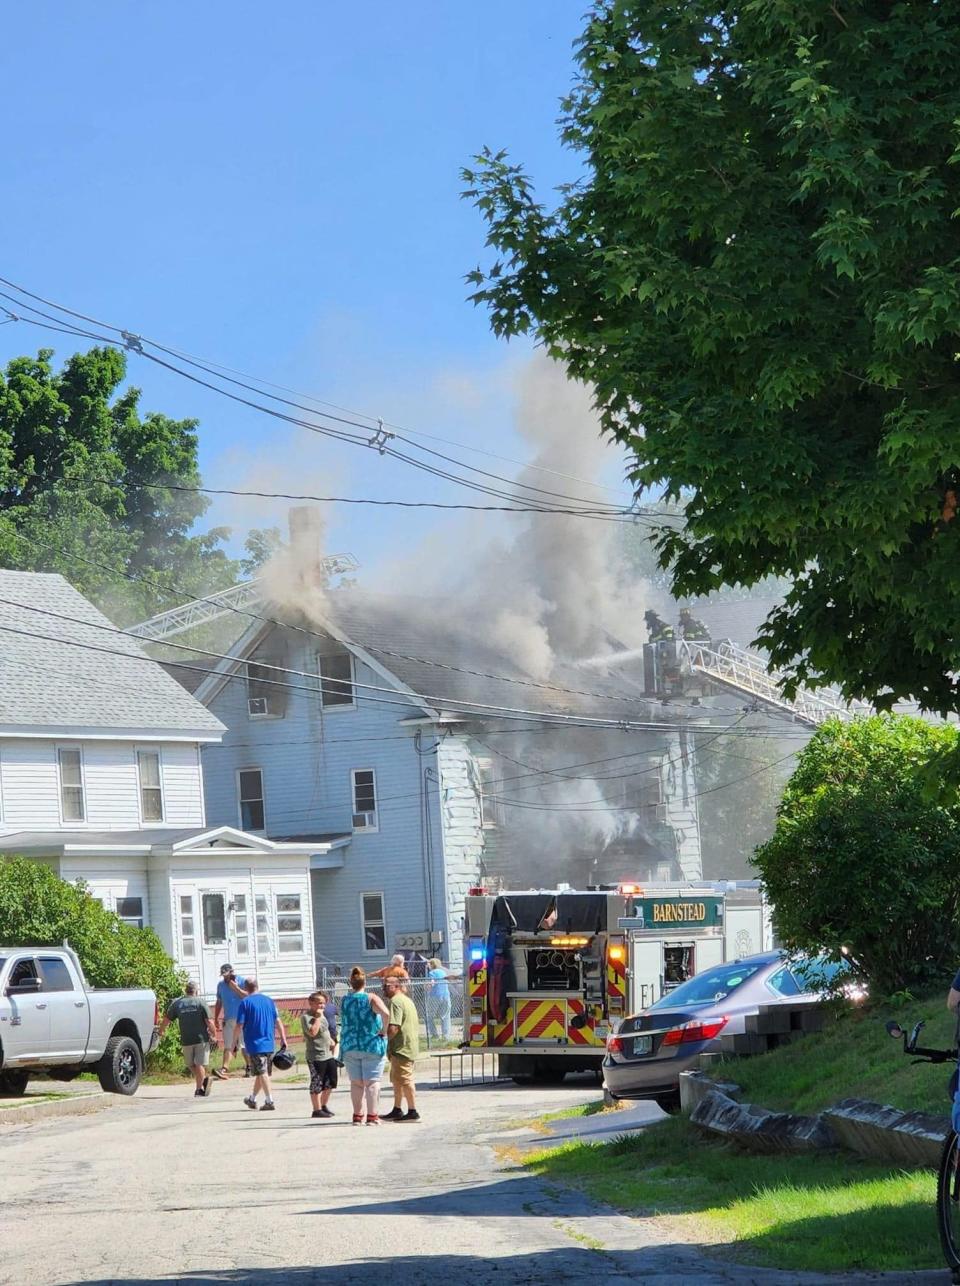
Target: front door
24,1014
214,939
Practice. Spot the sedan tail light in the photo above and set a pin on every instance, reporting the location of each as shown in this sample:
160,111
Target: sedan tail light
689,1032
614,1045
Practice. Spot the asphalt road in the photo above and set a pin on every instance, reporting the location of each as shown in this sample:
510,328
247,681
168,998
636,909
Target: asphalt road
163,1188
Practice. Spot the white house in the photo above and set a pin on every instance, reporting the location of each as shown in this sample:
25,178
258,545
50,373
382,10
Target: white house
101,778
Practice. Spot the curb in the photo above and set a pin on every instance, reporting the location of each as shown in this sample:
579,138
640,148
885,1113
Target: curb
75,1105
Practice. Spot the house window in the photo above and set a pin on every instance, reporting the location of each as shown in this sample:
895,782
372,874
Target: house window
263,926
213,908
374,922
491,810
266,698
336,680
130,911
188,940
364,799
151,790
241,925
71,785
289,923
250,790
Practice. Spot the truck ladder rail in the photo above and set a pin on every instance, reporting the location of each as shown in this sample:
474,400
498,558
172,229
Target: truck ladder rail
237,598
743,671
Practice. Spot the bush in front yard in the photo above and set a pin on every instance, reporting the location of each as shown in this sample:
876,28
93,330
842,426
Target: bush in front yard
863,857
37,908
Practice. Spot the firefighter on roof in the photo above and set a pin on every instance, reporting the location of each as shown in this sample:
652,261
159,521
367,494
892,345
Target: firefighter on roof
657,627
691,627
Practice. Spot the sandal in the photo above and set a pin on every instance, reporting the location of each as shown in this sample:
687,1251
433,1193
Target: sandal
357,1120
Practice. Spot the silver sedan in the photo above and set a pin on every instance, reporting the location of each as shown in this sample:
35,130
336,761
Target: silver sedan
649,1050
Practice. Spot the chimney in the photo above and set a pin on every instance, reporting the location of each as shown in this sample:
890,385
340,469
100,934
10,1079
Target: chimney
306,534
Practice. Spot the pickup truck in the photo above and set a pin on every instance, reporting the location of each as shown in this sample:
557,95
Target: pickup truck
52,1023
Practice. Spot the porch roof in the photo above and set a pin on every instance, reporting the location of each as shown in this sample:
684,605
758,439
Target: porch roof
158,841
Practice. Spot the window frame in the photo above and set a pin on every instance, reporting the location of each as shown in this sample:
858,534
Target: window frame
77,749
192,938
338,705
354,810
135,921
251,830
150,750
286,935
491,815
374,923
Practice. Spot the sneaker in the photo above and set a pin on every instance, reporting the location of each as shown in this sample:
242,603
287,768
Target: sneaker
373,1120
269,1106
395,1114
220,1074
251,1102
324,1111
317,1114
206,1086
412,1115
247,1072
198,1093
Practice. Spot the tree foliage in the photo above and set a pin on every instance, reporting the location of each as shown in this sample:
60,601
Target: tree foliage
862,857
759,274
37,908
72,448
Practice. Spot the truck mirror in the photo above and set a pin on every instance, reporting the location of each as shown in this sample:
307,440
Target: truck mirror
26,987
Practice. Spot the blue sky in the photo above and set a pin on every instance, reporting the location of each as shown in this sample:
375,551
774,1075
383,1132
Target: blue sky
279,191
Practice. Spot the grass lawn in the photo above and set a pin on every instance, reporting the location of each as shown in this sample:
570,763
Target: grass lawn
853,1057
820,1213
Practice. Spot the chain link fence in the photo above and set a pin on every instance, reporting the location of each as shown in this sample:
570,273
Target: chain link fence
441,1018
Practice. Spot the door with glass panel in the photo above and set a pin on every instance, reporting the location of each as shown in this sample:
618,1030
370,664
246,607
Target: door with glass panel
213,915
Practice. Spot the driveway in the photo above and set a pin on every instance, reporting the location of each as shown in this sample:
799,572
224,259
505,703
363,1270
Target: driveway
167,1188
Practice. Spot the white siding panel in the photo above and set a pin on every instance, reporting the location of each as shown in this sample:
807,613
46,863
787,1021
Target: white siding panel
462,834
31,794
110,785
111,878
182,786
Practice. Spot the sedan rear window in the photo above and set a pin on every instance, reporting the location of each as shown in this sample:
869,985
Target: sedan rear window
709,987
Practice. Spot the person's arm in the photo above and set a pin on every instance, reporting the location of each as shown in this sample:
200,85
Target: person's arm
218,1011
211,1028
165,1021
237,990
378,1007
281,1029
953,998
313,1027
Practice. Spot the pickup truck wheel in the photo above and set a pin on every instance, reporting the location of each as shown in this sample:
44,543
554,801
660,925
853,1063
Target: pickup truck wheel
14,1083
121,1066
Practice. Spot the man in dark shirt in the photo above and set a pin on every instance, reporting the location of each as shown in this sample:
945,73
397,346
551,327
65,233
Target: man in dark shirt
196,1033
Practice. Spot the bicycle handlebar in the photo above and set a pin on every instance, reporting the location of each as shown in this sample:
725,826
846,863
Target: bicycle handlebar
919,1052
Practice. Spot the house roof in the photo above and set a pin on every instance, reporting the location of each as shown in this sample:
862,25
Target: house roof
220,841
108,684
423,646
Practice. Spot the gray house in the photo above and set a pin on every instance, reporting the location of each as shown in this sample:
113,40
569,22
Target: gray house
428,762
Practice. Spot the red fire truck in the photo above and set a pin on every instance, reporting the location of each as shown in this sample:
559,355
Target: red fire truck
549,974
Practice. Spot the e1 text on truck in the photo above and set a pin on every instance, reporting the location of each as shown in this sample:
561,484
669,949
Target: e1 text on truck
549,974
52,1023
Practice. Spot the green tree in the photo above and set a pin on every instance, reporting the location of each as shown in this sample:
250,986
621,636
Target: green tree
37,908
759,275
862,857
72,446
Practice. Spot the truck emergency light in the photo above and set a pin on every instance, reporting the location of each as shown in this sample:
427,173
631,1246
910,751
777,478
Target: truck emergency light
569,942
630,890
616,953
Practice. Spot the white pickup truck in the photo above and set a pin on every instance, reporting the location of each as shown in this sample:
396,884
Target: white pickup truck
52,1023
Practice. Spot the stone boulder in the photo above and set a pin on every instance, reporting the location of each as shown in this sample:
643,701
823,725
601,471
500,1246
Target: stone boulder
759,1130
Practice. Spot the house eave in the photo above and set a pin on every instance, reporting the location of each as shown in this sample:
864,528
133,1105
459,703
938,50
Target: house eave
69,732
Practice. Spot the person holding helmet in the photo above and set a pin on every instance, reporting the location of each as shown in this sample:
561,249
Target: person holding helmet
260,1021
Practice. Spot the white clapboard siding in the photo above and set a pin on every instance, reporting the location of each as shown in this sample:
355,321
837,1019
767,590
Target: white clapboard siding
462,833
110,878
31,795
182,786
111,785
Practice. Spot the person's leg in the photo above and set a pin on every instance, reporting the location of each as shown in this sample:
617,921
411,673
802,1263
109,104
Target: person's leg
357,1090
193,1062
316,1080
396,1083
328,1084
445,1020
265,1082
372,1088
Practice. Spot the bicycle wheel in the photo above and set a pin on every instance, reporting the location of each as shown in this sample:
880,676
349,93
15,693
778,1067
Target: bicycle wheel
948,1202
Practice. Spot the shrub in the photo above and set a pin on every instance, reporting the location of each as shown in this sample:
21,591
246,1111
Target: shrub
37,908
863,857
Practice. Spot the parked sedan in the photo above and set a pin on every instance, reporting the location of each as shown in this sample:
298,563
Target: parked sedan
649,1050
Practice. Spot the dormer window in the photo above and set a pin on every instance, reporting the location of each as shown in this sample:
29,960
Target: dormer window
336,680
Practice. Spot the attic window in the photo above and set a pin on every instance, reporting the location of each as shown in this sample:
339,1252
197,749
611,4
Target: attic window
336,680
266,698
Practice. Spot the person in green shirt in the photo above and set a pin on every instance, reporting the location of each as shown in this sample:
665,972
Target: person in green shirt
196,1033
403,1046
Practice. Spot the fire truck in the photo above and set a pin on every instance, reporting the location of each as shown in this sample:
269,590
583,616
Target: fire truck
549,974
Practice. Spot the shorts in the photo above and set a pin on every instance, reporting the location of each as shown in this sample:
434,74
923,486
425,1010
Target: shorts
232,1036
361,1066
401,1071
197,1055
261,1064
323,1074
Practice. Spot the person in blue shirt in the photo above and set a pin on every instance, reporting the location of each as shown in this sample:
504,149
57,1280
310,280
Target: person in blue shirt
438,1000
260,1021
229,996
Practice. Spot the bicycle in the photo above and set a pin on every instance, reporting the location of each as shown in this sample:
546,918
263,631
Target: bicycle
948,1173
